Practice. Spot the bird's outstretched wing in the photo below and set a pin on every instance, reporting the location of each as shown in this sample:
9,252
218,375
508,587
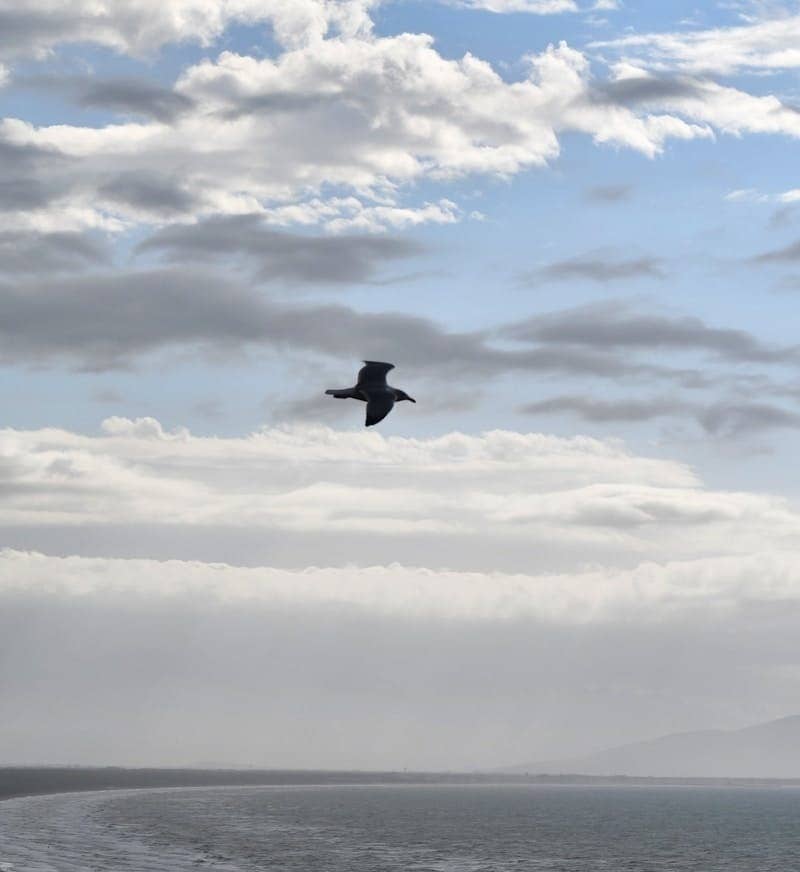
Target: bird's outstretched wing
378,407
374,372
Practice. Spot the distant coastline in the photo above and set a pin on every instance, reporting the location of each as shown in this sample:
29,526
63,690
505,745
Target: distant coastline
769,750
19,781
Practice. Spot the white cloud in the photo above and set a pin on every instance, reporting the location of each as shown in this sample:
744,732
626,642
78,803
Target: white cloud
650,592
366,114
375,218
716,107
772,44
746,195
169,662
753,195
537,7
591,499
141,27
339,214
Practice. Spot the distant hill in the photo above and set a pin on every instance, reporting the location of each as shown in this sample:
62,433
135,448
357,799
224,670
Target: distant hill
770,750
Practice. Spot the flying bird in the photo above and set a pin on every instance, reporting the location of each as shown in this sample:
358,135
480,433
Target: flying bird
372,389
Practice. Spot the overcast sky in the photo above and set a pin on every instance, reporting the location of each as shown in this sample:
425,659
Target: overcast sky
573,225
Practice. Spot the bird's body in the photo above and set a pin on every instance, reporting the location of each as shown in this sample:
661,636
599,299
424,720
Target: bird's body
372,389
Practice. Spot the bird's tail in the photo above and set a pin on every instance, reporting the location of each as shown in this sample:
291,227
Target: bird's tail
342,394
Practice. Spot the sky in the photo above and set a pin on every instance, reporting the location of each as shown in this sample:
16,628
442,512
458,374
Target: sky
572,225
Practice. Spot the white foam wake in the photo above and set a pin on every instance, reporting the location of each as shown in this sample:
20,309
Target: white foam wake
67,833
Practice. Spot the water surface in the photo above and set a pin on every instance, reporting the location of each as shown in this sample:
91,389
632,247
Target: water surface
432,828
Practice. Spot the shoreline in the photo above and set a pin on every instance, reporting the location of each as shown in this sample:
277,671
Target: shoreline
17,782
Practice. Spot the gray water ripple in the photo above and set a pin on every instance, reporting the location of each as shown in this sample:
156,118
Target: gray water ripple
63,833
434,828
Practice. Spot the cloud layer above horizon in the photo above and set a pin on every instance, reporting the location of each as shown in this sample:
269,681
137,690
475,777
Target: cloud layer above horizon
569,558
545,212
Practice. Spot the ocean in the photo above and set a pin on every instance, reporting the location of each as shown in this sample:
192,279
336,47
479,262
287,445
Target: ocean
430,828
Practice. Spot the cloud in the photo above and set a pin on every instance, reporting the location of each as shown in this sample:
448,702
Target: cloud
615,326
31,252
134,97
742,418
281,256
293,550
789,283
763,45
374,219
609,193
730,419
596,268
712,106
753,195
233,654
787,254
125,96
599,410
413,115
141,29
133,28
746,195
149,194
107,396
596,596
637,90
781,216
104,320
558,95
451,498
442,120
537,7
98,319
30,176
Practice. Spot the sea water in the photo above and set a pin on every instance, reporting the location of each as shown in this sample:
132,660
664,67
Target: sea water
432,828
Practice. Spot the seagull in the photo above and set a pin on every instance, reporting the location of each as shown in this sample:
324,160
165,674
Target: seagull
372,389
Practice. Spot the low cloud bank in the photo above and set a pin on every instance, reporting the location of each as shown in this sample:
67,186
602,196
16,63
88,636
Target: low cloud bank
136,661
